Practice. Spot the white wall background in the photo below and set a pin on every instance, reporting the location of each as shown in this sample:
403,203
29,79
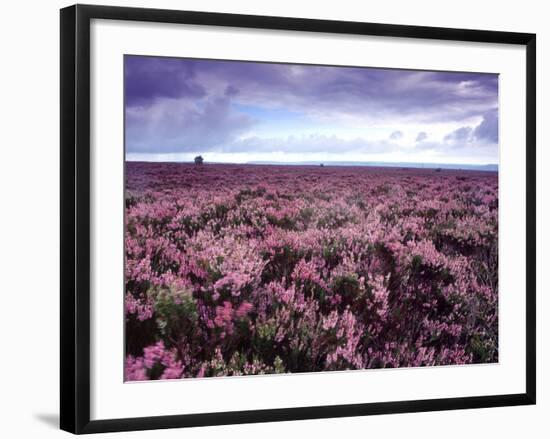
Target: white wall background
29,248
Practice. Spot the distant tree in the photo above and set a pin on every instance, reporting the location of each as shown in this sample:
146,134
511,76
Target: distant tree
322,165
199,160
438,170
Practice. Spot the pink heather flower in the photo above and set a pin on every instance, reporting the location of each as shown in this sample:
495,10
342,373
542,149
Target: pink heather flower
353,268
173,371
330,321
201,372
134,369
152,354
224,317
144,310
380,295
243,309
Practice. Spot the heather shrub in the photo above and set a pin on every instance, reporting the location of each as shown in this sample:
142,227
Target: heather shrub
238,270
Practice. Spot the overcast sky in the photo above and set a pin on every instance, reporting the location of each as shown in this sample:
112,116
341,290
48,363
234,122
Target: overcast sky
231,111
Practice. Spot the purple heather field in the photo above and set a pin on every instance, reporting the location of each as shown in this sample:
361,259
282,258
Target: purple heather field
258,269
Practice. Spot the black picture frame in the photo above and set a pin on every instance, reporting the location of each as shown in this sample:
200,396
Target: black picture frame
75,217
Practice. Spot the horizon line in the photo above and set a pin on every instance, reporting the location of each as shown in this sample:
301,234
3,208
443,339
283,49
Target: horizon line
333,163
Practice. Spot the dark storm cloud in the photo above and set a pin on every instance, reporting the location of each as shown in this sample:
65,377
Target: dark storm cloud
488,128
424,95
459,135
231,91
149,78
180,126
479,136
440,95
179,105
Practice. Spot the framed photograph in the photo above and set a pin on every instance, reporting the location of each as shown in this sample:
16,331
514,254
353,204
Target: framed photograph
268,218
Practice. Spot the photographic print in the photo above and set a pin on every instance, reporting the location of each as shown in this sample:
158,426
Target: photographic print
287,218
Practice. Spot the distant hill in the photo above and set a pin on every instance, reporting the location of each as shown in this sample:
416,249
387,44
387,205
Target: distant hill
488,167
